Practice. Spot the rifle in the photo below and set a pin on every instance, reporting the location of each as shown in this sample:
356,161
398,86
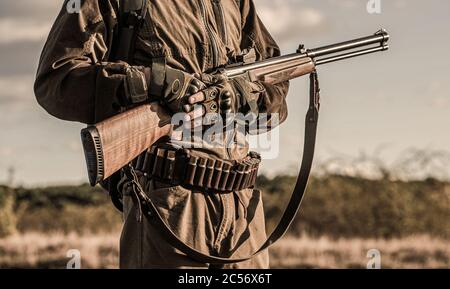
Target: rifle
115,142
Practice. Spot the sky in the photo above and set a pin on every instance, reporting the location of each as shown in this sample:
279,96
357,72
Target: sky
381,104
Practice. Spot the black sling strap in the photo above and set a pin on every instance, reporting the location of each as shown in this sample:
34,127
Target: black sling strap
131,17
152,214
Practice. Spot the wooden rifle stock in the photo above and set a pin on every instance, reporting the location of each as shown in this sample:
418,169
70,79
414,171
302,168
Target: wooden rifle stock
112,144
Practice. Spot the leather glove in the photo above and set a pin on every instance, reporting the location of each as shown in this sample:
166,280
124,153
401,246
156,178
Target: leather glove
173,86
170,86
224,96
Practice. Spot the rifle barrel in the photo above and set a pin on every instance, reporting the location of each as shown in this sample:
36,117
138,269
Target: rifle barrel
381,38
351,55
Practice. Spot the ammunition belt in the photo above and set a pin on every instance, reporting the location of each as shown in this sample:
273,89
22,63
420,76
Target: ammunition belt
177,167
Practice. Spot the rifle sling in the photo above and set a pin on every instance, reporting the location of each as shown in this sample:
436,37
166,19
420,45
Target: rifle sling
153,216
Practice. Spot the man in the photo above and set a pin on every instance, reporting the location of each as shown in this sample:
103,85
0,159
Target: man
80,78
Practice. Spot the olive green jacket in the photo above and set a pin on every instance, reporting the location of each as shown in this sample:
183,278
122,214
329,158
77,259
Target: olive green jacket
77,81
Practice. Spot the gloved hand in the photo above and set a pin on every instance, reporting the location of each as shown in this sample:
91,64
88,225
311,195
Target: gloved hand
173,86
161,82
224,96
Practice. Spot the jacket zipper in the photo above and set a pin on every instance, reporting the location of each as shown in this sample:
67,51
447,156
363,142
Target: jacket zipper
220,20
211,40
218,10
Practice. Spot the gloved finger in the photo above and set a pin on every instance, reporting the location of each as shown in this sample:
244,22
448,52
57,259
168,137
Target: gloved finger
193,101
211,107
211,93
196,98
197,112
192,89
226,102
187,108
198,83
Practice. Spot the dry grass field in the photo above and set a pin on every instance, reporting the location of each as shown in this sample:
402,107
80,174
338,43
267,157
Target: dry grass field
411,252
36,250
406,221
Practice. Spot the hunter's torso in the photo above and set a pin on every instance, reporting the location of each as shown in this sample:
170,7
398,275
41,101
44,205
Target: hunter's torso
195,36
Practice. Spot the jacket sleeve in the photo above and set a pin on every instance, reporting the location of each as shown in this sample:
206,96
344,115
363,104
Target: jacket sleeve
256,35
74,81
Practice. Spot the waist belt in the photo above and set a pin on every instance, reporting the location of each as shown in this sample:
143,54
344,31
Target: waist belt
177,167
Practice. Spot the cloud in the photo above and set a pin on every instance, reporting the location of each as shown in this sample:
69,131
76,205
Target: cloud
19,30
42,9
400,4
441,102
7,151
17,101
19,58
437,90
289,20
347,4
73,146
16,88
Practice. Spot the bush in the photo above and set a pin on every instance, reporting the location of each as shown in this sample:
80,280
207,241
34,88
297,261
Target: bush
7,216
71,218
334,205
343,206
80,209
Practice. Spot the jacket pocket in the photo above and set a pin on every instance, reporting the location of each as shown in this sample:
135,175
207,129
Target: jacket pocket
250,203
170,200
